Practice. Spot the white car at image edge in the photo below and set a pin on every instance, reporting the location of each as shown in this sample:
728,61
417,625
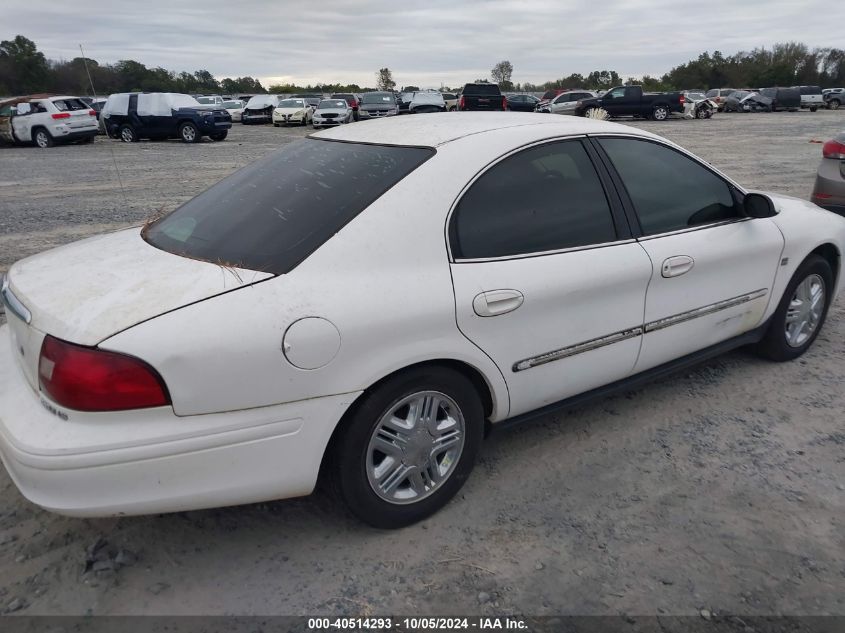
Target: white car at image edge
385,293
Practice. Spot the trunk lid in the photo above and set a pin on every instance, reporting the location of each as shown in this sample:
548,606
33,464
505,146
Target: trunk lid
87,291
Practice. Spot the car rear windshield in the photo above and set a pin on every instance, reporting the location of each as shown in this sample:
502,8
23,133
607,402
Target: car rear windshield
482,89
63,105
272,214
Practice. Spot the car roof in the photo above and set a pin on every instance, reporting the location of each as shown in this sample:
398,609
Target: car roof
434,130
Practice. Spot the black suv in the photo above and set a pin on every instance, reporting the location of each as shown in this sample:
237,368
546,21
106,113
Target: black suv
131,116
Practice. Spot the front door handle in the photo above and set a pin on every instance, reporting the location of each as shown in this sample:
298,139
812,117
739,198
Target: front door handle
677,265
496,302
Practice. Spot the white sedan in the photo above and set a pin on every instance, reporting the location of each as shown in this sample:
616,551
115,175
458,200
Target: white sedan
383,293
292,111
235,109
331,112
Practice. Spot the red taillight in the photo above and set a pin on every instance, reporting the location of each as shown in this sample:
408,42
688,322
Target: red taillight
92,112
461,103
61,115
504,103
834,149
682,99
90,379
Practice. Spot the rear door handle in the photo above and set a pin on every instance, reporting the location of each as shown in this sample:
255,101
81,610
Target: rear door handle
677,265
496,302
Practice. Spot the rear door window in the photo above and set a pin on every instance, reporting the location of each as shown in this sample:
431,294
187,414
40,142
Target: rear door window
272,214
542,199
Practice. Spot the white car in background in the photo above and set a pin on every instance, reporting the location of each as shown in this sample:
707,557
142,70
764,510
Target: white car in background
46,121
427,101
292,111
216,358
211,100
331,112
235,108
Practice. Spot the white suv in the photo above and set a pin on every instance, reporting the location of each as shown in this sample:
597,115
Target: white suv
46,121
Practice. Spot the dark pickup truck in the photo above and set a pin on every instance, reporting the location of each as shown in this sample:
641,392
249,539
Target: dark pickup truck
482,97
632,101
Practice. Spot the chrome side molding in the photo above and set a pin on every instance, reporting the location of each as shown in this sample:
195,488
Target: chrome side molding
675,319
624,335
578,348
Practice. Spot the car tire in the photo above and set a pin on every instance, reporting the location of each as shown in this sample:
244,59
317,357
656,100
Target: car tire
127,134
277,125
386,499
660,113
42,138
813,108
86,140
833,104
796,308
219,136
189,133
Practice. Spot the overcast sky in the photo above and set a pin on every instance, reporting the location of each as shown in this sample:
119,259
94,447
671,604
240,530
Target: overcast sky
424,42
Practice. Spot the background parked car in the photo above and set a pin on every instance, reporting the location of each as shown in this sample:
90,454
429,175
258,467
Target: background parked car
259,109
829,190
405,102
47,120
811,97
353,101
733,102
783,98
451,101
522,102
482,97
567,102
211,100
332,112
424,102
131,116
834,98
377,104
235,108
718,95
292,111
632,101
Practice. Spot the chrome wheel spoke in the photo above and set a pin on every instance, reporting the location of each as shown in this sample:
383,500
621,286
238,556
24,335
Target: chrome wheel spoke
393,474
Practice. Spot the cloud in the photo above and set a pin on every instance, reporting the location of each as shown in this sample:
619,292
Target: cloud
428,44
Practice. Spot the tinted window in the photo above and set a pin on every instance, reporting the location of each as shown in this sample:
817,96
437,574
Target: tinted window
669,190
378,97
272,214
712,93
481,89
542,199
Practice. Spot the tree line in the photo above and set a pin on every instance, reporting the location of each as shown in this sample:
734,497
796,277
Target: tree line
25,70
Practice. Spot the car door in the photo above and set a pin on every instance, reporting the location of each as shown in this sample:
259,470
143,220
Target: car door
22,122
614,101
712,267
548,282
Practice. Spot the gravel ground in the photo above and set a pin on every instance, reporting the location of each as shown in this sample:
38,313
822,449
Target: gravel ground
720,489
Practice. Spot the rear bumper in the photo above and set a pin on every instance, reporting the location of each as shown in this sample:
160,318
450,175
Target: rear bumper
829,189
64,133
151,461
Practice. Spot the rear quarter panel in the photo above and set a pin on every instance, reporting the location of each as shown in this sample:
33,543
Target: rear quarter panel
384,281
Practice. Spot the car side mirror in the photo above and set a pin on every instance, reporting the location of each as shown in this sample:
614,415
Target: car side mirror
757,205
